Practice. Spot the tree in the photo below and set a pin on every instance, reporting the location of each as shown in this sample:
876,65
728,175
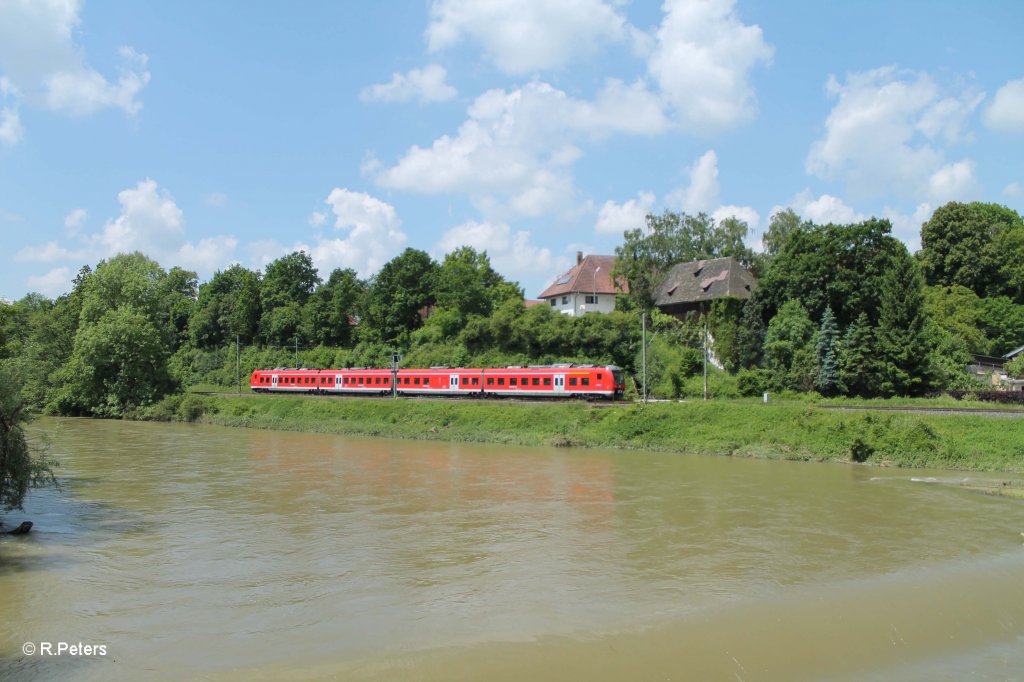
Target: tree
119,362
787,347
19,467
402,288
904,353
332,307
972,245
466,283
227,306
832,266
284,290
1003,323
859,374
826,379
780,227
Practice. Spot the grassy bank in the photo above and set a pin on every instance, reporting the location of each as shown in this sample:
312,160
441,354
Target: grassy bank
778,430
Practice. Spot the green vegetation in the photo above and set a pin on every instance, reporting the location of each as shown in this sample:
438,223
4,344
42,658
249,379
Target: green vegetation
19,466
793,429
839,311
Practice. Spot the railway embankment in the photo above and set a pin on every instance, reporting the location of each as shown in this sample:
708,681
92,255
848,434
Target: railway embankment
789,430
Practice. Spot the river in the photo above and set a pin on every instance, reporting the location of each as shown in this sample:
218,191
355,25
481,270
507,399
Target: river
193,552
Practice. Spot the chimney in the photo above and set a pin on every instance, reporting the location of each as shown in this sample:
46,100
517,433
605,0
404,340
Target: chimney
579,257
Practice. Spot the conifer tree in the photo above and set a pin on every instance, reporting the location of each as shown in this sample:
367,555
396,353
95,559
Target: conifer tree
903,346
858,367
827,376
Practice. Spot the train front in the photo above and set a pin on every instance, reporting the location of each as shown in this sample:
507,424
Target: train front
618,381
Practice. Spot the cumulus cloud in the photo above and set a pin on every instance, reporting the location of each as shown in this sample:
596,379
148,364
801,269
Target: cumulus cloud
514,150
702,60
74,220
1006,113
823,209
907,227
744,213
702,192
887,134
374,234
521,36
44,67
11,130
511,253
425,85
149,221
615,218
53,283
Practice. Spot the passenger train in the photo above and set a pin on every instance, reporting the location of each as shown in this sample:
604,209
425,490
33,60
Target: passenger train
543,381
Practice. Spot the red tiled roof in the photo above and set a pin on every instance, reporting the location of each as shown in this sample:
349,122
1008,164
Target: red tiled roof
591,275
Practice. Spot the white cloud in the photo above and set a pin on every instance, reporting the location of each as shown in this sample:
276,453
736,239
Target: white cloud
521,36
887,132
150,221
953,182
616,218
908,227
702,192
1006,113
209,255
317,219
43,66
824,209
702,62
1014,189
374,234
511,254
53,283
745,213
513,152
11,131
426,85
74,220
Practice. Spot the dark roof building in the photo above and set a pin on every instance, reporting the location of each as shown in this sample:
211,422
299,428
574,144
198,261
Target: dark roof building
688,285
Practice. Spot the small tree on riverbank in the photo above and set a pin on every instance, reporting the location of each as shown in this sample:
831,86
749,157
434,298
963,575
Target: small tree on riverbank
19,467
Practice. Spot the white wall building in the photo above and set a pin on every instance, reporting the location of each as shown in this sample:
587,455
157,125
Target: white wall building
586,288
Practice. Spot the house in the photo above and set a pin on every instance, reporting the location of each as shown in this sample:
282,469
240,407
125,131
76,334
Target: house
586,288
689,287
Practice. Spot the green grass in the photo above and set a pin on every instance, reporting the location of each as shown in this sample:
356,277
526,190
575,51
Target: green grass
797,430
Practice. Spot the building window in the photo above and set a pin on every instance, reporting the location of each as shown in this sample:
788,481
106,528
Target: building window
565,300
591,299
554,302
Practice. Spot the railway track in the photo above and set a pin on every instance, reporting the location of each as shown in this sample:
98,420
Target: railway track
439,398
993,412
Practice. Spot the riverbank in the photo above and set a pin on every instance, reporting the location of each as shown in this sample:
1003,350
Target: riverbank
742,428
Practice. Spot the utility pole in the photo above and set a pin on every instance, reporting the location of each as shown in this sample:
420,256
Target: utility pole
643,349
296,351
705,356
395,359
238,363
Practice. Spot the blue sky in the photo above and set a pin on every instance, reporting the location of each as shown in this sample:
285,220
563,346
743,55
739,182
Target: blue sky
205,134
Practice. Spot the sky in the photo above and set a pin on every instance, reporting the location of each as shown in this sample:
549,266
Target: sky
210,133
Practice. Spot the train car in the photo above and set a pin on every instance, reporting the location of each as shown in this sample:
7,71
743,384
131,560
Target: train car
284,380
556,381
359,381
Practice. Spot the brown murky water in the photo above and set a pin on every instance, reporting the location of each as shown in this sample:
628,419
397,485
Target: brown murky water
201,553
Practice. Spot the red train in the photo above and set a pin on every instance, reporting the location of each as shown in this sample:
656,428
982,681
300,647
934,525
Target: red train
547,381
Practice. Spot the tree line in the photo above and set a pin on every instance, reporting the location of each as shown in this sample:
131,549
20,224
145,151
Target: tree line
839,309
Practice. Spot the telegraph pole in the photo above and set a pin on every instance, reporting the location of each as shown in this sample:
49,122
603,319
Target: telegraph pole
643,350
238,363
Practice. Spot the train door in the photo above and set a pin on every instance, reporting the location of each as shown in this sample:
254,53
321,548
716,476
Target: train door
453,382
559,383
273,380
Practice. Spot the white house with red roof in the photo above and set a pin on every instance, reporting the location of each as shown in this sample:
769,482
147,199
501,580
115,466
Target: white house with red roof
586,288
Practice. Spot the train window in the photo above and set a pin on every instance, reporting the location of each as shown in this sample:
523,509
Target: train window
490,381
476,381
600,376
547,381
386,381
512,381
501,381
416,381
572,381
536,381
585,381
